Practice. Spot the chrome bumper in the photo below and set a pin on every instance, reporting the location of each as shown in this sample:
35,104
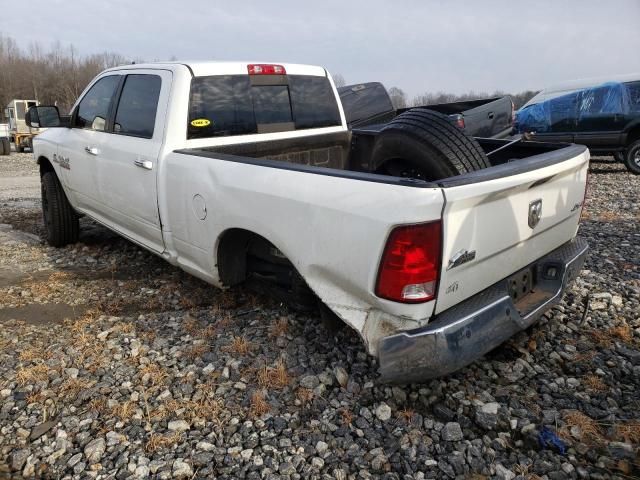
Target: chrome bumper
465,332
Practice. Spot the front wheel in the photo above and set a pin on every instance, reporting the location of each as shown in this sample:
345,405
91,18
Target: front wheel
60,220
632,158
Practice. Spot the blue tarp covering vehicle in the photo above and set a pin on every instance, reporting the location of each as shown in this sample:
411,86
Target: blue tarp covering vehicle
553,115
604,117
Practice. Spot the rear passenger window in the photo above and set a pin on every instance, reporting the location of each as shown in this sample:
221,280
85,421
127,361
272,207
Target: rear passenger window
136,113
94,107
634,96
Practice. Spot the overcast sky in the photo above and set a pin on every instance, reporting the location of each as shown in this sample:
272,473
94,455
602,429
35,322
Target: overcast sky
417,45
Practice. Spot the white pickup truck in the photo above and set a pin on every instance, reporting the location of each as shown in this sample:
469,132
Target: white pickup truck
235,171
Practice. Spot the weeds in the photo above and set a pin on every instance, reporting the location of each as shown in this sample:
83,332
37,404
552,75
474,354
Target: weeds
33,374
274,377
158,442
305,395
279,328
595,383
259,405
240,346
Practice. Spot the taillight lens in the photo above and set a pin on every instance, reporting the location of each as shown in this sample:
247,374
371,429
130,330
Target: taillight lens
459,121
410,264
266,69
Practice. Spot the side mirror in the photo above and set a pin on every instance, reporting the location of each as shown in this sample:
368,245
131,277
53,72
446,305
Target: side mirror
45,117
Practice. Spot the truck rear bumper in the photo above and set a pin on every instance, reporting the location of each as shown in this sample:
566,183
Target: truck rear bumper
465,332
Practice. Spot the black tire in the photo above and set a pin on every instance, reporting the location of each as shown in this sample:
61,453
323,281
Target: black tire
5,147
60,220
632,158
424,144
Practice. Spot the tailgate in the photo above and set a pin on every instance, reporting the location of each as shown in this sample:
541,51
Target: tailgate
487,230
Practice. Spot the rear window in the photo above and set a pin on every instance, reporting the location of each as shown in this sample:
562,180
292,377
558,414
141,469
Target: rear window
225,105
365,101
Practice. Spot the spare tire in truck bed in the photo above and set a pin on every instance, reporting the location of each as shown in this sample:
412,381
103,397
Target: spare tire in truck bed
424,144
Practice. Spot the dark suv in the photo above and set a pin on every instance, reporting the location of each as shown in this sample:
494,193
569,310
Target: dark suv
605,118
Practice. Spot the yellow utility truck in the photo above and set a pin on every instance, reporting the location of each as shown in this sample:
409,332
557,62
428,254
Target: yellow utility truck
20,133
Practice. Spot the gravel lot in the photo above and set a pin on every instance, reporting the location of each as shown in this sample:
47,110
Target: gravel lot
113,364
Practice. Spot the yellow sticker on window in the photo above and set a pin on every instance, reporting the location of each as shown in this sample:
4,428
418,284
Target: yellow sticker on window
200,122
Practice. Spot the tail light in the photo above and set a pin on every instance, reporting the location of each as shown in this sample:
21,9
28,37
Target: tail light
458,120
410,264
266,69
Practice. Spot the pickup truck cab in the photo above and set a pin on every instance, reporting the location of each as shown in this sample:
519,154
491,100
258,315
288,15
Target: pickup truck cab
369,104
239,170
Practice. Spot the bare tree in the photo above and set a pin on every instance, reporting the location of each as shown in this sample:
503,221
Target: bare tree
338,79
398,97
56,75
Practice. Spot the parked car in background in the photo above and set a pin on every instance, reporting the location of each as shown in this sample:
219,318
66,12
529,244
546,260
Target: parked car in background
369,104
604,117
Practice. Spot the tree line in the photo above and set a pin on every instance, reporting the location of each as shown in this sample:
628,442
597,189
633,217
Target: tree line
56,75
400,100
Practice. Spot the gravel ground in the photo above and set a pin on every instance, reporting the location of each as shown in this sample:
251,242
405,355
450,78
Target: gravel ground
113,364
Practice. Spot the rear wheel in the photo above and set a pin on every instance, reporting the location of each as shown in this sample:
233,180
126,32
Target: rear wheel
426,145
632,158
60,220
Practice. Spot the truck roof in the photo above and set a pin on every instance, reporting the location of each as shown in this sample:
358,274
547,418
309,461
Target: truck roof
206,68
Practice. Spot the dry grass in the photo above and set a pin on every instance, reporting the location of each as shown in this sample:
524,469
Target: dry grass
595,383
609,216
206,408
346,416
97,404
279,328
125,327
124,410
157,375
584,357
406,414
208,332
274,377
35,397
73,386
239,345
591,431
158,442
224,322
629,433
622,332
32,353
259,405
197,351
601,338
305,395
32,374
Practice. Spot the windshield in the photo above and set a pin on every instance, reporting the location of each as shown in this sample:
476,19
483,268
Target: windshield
225,105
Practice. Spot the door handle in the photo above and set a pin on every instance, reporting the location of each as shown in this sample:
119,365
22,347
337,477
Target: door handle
146,164
490,115
92,150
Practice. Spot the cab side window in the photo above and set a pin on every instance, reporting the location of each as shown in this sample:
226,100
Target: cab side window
136,114
93,109
634,96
